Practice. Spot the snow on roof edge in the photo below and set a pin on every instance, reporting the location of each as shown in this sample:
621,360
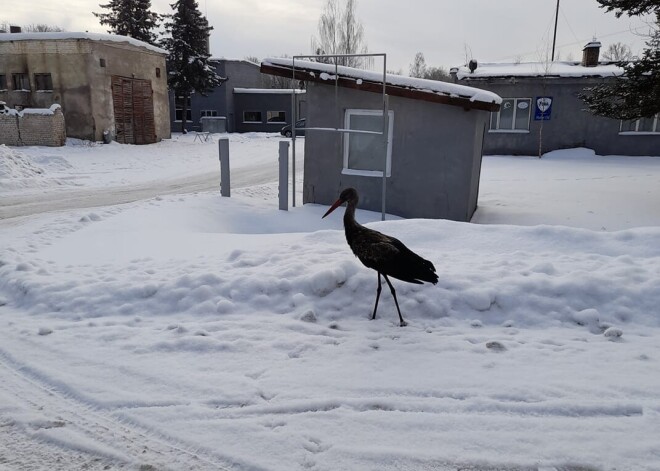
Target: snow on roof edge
79,35
423,85
538,69
267,90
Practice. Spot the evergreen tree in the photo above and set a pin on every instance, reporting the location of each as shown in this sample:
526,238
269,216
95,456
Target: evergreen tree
637,93
189,70
131,18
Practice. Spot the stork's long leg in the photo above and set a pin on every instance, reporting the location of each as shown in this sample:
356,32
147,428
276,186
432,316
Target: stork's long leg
378,290
403,323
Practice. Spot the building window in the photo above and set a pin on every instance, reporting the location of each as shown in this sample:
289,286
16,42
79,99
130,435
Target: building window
43,82
157,72
513,115
205,113
641,126
3,82
21,82
252,116
178,108
102,62
364,152
276,117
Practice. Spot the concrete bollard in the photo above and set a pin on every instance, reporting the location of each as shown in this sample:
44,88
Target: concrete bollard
283,188
225,186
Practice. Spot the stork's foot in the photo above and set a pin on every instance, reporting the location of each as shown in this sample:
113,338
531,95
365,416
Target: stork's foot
403,324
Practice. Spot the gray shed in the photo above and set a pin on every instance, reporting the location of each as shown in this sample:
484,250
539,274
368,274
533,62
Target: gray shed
434,150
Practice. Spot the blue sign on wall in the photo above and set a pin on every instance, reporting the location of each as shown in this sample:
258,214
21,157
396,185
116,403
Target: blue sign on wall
543,108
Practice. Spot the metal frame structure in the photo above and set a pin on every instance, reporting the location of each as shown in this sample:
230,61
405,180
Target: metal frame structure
339,128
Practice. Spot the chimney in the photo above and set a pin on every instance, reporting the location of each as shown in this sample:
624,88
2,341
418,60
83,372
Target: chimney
454,74
14,29
590,54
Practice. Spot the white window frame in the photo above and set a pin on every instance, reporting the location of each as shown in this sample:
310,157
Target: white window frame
368,173
513,121
654,132
253,122
268,115
208,113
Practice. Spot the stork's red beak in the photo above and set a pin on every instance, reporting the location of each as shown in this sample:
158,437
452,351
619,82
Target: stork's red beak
335,205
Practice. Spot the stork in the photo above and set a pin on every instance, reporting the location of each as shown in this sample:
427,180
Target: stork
380,252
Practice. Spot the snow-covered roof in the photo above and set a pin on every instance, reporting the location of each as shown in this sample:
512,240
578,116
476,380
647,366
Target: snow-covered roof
397,85
284,91
539,69
54,36
232,59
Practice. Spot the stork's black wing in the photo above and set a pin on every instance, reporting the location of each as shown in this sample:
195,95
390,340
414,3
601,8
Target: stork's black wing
391,257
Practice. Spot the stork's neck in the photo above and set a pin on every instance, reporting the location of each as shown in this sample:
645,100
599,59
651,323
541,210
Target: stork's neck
350,224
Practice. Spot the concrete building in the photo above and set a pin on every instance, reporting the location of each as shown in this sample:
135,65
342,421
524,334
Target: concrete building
221,102
541,110
104,83
431,159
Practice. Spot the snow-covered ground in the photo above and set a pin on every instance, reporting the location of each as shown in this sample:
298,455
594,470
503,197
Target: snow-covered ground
201,332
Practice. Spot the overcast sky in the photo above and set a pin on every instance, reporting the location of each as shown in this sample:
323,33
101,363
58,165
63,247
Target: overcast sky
444,30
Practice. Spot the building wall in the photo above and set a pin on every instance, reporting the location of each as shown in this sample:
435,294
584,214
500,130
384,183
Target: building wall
436,155
33,129
239,74
137,64
570,124
262,102
80,85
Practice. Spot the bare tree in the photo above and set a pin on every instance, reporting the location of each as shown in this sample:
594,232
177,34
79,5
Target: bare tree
618,52
341,32
41,28
418,67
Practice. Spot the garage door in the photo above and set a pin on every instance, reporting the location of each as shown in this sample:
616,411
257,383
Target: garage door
134,110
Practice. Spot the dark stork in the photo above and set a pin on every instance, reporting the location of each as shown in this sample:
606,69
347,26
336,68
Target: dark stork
385,254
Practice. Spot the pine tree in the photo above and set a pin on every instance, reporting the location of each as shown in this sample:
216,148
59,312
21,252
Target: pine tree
189,70
131,18
636,94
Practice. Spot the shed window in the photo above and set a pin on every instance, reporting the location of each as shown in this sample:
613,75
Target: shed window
43,82
3,82
276,117
365,153
252,116
178,108
642,126
157,72
21,82
513,115
102,62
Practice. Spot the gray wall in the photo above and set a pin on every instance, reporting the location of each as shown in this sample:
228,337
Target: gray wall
263,102
240,74
436,155
570,124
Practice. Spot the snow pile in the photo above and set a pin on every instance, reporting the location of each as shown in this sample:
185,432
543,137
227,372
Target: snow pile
20,171
16,170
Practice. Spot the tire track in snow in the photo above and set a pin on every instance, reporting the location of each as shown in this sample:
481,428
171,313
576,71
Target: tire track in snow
65,431
28,205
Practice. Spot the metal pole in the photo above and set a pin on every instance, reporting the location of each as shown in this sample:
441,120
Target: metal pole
294,112
284,176
223,147
554,39
385,138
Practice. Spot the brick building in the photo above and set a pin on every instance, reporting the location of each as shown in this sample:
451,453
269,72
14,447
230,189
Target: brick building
104,83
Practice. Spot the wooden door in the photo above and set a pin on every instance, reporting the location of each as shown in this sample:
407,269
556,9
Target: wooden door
134,110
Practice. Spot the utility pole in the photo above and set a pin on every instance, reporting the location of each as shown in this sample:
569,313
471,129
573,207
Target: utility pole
554,39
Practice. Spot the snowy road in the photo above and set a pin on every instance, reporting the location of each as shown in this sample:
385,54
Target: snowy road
58,200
